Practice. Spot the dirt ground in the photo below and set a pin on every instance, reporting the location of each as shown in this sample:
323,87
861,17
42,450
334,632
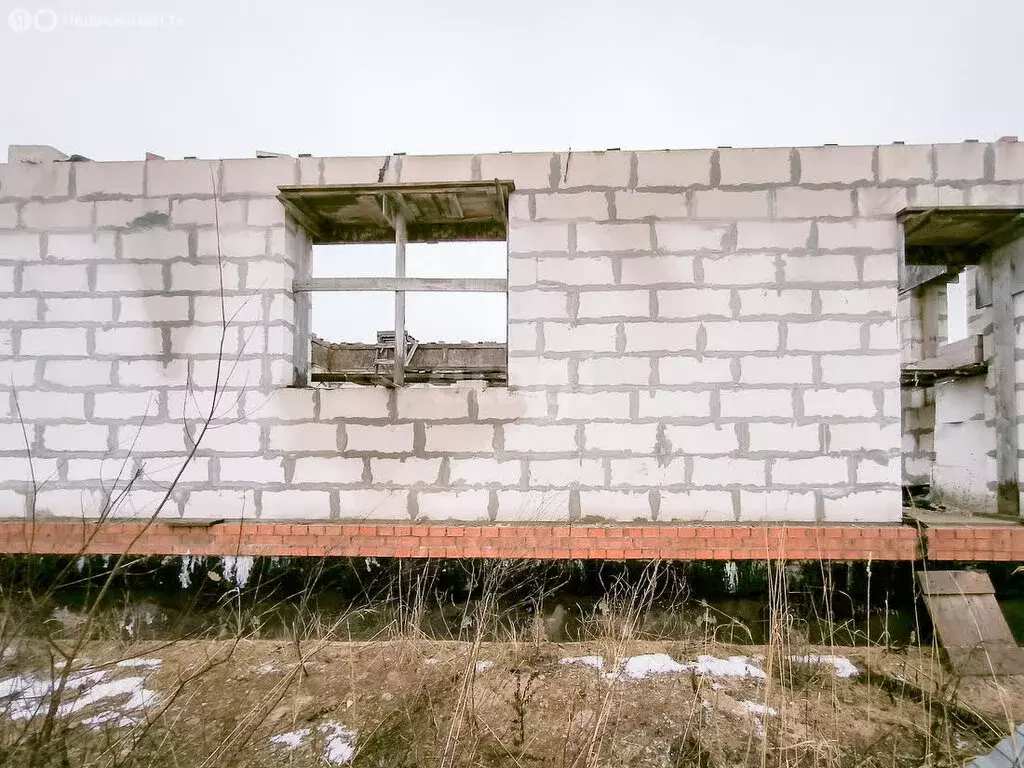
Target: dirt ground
421,703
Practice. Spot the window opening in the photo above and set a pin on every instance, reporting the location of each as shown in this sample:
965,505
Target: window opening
412,277
956,308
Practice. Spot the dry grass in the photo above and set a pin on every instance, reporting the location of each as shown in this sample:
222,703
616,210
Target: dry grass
497,694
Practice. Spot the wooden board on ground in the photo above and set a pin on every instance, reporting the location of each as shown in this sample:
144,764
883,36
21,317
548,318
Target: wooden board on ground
970,624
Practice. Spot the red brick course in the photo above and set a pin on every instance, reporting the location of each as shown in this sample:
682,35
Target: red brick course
720,542
983,543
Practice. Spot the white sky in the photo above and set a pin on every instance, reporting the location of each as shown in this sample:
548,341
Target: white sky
225,78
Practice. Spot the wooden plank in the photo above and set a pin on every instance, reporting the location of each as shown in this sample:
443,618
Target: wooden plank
400,188
910,227
959,354
439,284
309,223
399,376
448,204
955,583
451,231
502,196
374,210
969,623
952,619
1004,352
915,275
1001,234
985,661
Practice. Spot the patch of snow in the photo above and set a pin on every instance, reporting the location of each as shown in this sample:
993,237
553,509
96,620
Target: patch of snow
588,661
147,663
133,687
82,679
734,666
292,739
431,661
341,743
26,695
732,577
110,716
648,665
717,687
238,569
483,666
639,667
185,575
842,665
267,669
758,709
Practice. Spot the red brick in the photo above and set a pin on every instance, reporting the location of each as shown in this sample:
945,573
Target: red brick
833,542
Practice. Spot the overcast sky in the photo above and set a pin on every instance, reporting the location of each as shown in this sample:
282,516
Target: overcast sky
223,79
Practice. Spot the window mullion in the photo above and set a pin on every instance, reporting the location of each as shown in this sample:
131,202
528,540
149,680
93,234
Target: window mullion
400,236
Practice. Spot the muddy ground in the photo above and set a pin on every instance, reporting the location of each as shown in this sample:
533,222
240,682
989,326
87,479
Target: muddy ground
410,702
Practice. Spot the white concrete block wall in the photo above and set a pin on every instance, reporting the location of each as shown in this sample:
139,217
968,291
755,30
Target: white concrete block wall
917,404
963,443
694,335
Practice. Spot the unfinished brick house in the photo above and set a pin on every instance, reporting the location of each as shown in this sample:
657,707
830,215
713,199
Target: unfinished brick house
698,336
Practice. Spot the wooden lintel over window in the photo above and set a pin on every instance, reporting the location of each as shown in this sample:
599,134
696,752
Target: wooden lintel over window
436,212
955,237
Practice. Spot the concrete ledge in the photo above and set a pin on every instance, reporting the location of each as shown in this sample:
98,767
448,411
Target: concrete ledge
713,542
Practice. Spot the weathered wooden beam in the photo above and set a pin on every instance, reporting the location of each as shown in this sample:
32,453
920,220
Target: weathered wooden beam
909,229
1001,234
951,357
310,224
448,203
502,198
428,284
915,275
401,188
1004,346
374,209
399,376
398,204
465,230
945,255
